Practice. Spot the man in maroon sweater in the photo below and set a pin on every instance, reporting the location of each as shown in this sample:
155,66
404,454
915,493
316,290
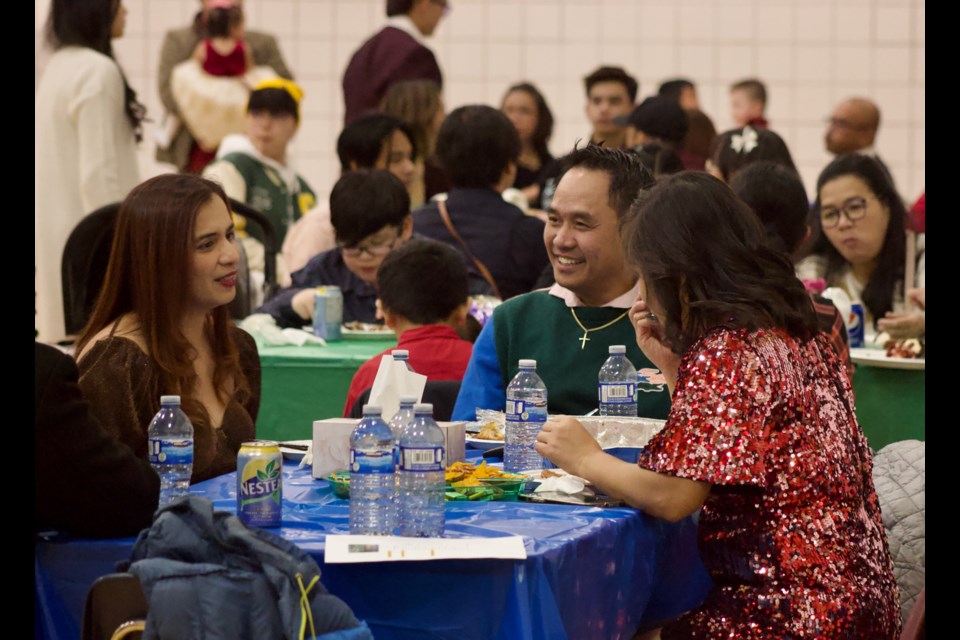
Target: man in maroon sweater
397,52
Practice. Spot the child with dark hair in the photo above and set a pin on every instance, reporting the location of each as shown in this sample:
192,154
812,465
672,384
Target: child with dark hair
748,101
776,195
224,52
373,141
370,214
732,150
423,297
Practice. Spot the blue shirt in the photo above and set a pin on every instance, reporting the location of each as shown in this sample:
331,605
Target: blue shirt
328,268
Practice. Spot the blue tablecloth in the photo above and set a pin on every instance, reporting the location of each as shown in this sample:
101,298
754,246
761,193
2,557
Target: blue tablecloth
590,573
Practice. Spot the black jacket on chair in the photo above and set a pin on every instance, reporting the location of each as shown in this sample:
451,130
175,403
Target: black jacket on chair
85,481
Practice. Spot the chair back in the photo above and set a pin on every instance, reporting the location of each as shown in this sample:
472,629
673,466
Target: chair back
83,265
115,608
270,248
442,394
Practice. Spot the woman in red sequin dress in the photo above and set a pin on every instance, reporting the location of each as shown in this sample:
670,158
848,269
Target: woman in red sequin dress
761,434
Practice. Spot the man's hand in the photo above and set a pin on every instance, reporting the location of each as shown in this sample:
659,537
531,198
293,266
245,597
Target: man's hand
302,303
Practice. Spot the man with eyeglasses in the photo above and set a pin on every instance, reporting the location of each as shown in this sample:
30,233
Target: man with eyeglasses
370,214
397,52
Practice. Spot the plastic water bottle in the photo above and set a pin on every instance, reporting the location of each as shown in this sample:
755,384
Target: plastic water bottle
617,384
372,484
403,416
399,422
526,412
422,481
170,443
402,355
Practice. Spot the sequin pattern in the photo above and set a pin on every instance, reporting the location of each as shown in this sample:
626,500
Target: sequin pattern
791,531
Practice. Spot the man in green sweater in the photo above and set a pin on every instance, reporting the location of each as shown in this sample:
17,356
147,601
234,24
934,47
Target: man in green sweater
569,327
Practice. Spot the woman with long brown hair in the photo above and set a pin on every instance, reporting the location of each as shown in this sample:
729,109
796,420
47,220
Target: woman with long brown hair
761,437
161,324
419,105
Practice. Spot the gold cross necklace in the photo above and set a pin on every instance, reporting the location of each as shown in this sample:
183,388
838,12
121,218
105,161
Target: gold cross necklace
584,339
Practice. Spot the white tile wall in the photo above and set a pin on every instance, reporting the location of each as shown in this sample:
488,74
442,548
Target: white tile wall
811,53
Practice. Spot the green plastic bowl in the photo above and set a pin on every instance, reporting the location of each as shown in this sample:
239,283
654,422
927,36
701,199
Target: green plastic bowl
340,483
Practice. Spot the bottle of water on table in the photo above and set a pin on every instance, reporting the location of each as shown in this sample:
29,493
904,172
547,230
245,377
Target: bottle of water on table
372,483
402,355
422,481
617,384
526,412
170,449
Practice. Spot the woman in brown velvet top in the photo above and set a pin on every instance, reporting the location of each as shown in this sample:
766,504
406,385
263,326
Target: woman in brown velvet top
161,324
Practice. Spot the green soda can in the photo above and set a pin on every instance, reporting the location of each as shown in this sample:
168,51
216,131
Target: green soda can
259,483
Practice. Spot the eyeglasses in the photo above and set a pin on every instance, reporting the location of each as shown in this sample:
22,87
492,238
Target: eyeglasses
443,3
854,208
373,250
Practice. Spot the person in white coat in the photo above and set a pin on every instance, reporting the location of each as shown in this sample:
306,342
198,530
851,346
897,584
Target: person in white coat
87,125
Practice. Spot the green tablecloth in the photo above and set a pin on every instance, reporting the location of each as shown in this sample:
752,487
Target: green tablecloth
890,404
303,384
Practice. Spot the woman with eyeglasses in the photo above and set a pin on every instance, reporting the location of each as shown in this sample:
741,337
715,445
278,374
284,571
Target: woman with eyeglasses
859,243
370,214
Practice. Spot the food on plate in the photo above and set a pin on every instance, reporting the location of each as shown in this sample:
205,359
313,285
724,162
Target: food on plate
466,474
490,431
909,348
355,325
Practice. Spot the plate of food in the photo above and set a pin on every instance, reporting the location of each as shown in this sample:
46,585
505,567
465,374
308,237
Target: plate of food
366,331
294,449
488,436
892,357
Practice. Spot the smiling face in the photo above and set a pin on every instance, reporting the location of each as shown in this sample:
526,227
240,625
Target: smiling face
606,101
583,239
860,241
215,258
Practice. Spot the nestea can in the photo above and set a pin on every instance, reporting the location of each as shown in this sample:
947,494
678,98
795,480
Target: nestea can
259,483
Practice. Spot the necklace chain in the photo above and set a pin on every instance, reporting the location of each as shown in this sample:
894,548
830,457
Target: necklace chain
584,339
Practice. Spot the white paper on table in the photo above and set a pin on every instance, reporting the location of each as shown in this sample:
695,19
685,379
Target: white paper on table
341,549
393,381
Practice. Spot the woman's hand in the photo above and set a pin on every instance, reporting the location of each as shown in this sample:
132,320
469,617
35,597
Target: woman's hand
900,325
918,297
650,340
566,444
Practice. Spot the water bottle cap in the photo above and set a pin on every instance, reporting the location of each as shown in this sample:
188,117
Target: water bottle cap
528,364
168,400
618,348
408,400
372,410
423,407
400,353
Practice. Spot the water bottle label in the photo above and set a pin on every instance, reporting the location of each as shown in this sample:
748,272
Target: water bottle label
617,392
371,461
422,459
171,451
523,411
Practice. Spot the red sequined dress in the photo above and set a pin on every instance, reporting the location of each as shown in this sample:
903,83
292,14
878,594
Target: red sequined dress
791,531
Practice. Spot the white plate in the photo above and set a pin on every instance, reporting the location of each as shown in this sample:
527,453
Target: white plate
294,454
478,443
353,334
879,358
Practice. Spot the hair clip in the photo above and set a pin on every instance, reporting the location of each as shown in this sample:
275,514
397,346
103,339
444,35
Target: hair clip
746,142
282,83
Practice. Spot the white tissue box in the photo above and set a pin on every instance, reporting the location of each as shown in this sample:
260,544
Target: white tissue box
331,443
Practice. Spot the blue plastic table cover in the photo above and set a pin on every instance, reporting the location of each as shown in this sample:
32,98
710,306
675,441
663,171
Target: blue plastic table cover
590,572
